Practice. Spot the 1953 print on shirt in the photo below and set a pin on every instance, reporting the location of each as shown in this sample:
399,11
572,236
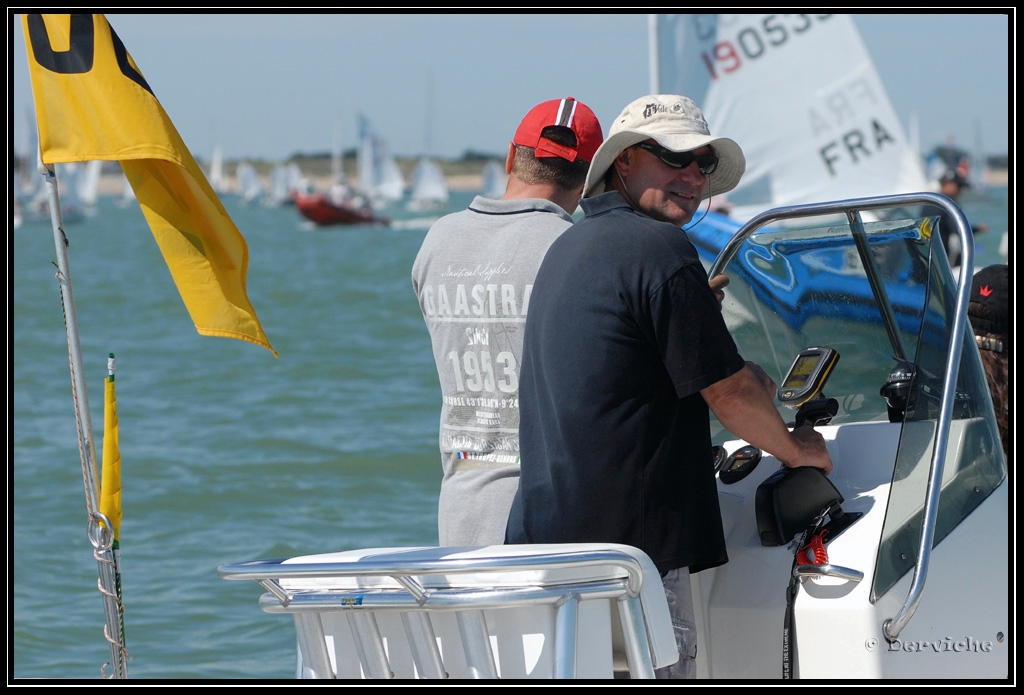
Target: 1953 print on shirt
485,317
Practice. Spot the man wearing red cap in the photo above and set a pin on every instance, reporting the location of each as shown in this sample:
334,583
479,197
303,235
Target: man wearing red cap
473,278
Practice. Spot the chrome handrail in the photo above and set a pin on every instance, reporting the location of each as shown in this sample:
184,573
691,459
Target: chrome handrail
275,569
408,571
892,627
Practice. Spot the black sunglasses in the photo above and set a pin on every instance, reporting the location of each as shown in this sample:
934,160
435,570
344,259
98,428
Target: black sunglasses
706,163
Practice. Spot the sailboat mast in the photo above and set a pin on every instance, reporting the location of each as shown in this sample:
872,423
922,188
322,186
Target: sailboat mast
976,173
337,174
652,53
427,151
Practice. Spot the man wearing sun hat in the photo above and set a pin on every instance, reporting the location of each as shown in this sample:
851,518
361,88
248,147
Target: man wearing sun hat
473,277
624,352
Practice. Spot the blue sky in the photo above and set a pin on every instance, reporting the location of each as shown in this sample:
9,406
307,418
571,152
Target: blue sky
265,86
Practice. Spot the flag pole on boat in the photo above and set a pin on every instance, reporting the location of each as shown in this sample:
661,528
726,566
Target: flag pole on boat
110,510
98,531
92,103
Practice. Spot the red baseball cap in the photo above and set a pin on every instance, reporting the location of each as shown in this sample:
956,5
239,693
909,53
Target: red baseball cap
568,113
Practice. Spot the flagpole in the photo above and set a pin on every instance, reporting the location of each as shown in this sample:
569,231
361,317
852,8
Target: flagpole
92,103
100,535
82,416
110,511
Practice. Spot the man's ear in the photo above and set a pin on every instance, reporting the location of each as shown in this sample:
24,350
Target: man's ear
510,158
623,161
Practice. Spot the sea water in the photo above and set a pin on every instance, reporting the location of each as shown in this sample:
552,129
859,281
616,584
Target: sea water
228,454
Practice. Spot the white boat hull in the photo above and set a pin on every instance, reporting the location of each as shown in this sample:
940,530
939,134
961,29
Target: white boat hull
960,627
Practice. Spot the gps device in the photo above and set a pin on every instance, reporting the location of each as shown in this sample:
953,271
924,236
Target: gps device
807,376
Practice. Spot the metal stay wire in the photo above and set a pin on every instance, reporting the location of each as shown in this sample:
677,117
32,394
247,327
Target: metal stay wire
102,540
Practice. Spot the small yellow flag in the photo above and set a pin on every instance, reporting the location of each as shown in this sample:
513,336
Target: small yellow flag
92,103
110,482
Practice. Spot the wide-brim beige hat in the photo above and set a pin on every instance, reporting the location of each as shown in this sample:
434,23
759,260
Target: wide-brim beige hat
673,122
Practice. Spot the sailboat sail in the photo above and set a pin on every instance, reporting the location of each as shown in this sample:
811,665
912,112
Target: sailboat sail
249,184
494,180
799,93
429,189
286,180
89,184
337,161
391,186
367,177
28,181
217,178
79,185
379,175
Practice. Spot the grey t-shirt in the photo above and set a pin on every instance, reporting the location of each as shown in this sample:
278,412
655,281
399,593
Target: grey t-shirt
473,277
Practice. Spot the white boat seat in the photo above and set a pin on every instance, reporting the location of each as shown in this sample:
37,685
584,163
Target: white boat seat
507,611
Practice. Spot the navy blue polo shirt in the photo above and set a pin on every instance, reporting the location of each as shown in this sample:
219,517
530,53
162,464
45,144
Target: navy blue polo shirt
622,333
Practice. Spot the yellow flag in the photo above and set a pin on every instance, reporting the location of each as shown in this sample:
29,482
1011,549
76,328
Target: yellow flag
110,484
92,102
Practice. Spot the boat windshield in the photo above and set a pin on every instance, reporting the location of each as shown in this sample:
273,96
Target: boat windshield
792,288
883,296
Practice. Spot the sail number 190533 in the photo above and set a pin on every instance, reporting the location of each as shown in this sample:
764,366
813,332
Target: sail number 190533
753,41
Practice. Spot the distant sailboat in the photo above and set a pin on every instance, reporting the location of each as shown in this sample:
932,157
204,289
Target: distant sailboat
494,180
286,181
801,96
429,189
216,176
342,192
379,175
297,181
392,184
89,183
28,190
79,184
250,186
